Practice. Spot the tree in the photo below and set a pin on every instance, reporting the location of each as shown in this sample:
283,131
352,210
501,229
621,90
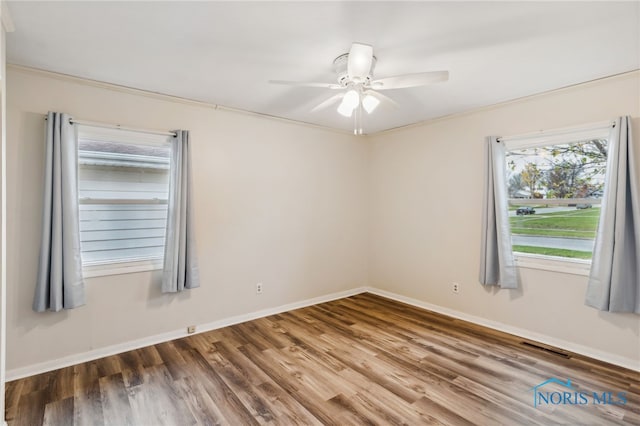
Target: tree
516,184
574,167
569,170
531,176
592,155
563,178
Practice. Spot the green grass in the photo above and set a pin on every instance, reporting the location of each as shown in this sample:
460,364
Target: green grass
574,254
570,223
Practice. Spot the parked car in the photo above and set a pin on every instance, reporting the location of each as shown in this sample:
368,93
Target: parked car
583,206
525,210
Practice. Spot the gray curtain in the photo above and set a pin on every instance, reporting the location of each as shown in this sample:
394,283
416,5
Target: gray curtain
180,261
60,284
614,280
497,264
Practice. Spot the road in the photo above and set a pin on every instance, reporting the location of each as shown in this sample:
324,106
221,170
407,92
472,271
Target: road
543,210
580,244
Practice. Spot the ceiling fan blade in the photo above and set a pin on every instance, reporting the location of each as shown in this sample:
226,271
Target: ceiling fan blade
328,102
381,97
306,84
410,80
360,60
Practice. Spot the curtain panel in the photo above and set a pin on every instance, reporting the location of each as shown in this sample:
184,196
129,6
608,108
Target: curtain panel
614,280
497,263
60,284
180,260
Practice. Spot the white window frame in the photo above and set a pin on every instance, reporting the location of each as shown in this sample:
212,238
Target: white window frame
568,135
142,264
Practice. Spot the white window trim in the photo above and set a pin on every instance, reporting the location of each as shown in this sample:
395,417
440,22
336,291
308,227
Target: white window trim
559,136
129,266
123,136
545,262
121,267
564,265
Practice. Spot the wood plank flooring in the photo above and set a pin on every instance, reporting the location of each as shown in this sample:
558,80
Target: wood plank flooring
358,360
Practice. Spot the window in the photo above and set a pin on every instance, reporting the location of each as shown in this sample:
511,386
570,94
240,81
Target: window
123,184
555,186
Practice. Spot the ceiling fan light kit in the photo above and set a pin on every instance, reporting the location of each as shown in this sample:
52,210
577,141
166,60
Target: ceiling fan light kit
350,101
370,103
355,74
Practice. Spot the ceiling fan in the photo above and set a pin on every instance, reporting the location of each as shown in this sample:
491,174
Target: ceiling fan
359,92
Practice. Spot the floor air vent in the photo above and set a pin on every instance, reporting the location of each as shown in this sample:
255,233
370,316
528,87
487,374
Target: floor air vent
546,349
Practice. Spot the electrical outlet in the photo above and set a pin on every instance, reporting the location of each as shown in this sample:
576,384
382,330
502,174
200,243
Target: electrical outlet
191,329
259,288
455,287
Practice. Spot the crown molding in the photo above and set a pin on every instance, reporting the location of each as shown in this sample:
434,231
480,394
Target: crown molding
164,97
623,75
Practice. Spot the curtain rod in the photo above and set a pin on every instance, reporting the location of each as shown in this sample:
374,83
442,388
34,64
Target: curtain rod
119,127
547,133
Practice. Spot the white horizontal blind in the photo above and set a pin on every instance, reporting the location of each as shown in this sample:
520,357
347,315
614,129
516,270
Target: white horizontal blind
123,190
112,232
122,183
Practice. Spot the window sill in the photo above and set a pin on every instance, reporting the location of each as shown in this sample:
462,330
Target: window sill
118,268
553,263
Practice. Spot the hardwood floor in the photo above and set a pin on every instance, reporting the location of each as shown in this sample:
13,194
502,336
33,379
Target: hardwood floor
359,360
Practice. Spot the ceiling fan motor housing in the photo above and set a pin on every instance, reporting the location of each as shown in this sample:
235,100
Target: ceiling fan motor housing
340,67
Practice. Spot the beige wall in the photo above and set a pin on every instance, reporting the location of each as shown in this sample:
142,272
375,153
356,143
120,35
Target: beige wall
3,269
425,218
277,203
306,211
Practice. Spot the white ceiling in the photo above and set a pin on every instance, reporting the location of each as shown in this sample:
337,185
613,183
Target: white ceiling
225,52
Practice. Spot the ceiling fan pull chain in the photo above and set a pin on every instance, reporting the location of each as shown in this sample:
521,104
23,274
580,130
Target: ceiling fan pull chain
355,121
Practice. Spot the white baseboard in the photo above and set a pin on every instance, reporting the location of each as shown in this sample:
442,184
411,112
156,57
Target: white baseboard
631,364
30,370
